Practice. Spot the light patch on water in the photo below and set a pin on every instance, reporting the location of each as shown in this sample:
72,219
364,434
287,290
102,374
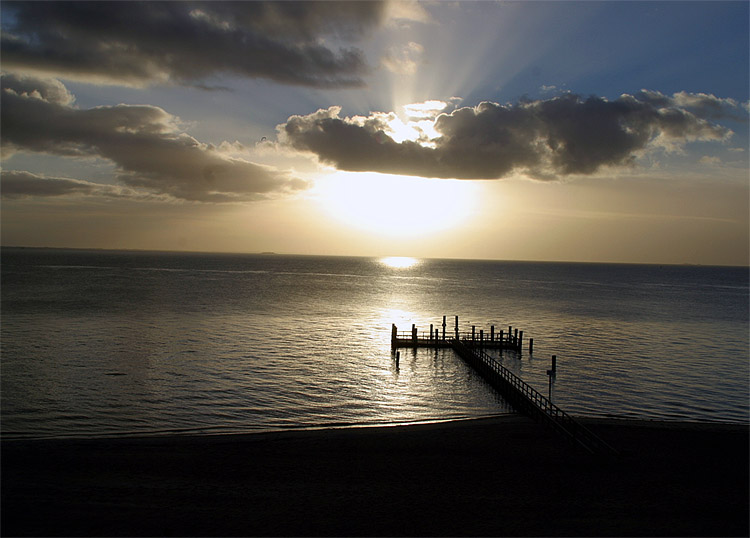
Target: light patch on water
399,262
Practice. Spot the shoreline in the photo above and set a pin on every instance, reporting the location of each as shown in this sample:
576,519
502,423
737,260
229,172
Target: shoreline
588,421
491,476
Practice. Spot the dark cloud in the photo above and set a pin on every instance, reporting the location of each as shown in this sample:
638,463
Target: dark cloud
186,42
143,141
21,184
356,146
544,138
50,90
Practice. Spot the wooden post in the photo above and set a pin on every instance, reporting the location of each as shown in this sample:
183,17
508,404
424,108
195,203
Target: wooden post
430,332
414,333
510,335
549,390
456,327
515,337
552,373
492,333
443,328
501,339
473,332
481,337
398,356
394,335
520,341
531,346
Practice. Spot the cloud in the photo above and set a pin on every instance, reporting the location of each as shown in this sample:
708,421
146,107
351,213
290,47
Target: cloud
403,60
704,105
402,12
21,184
49,90
427,109
545,139
138,43
144,141
356,144
709,160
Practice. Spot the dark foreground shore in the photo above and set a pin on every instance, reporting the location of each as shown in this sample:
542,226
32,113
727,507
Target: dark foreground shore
505,476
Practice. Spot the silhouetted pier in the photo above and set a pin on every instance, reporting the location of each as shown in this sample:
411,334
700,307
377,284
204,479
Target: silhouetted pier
494,339
470,346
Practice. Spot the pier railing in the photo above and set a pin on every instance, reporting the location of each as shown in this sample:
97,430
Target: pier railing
422,336
512,340
527,399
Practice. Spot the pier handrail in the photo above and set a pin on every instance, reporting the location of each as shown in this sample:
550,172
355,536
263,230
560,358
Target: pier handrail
450,335
534,402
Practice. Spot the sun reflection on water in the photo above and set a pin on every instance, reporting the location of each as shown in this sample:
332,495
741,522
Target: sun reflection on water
399,262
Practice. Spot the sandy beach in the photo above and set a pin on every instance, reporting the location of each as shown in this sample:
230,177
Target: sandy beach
504,476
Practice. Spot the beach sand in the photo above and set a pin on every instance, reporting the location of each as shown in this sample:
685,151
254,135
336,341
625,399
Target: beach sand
504,476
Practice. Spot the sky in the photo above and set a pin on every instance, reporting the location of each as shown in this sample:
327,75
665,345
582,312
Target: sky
552,131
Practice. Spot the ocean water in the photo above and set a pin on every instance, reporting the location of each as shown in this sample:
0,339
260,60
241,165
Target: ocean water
100,343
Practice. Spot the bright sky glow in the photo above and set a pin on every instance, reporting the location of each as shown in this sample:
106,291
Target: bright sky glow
428,109
396,206
400,131
364,128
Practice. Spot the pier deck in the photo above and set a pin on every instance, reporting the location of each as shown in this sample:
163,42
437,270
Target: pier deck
405,340
512,341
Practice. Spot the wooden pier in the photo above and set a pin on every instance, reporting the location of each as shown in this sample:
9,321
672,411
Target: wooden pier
470,346
512,340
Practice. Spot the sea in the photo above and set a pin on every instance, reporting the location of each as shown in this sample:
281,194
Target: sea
97,343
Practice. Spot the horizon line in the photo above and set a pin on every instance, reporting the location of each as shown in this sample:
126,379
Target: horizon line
281,254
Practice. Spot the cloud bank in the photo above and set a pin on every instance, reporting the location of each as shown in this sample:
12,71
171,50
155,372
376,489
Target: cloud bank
138,43
545,139
145,142
21,184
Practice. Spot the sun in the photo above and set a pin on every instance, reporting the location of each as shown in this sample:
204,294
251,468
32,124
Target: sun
396,206
399,262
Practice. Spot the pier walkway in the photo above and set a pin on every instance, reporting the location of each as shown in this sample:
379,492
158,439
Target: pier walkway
522,396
